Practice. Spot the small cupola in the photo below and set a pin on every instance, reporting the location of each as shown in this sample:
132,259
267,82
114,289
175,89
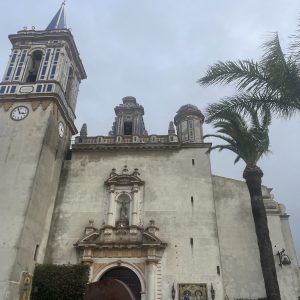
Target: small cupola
189,120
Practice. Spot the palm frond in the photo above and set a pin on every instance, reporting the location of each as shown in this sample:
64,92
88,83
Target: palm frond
219,136
242,103
246,136
246,74
273,52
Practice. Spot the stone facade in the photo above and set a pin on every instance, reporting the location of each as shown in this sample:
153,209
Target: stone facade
132,200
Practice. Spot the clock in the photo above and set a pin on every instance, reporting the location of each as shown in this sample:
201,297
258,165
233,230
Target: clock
19,113
61,129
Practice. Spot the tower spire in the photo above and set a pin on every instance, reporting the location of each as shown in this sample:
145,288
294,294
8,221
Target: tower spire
59,20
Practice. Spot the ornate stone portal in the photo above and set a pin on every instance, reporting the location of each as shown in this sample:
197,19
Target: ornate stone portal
123,240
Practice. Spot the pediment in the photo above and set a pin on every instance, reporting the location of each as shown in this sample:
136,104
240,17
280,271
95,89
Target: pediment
90,238
150,239
112,237
125,178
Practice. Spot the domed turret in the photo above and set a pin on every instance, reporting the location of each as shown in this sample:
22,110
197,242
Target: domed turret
188,121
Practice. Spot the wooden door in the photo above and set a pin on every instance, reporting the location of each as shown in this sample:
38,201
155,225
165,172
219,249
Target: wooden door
108,289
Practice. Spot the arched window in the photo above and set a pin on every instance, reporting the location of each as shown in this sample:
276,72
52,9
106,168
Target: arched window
127,128
34,66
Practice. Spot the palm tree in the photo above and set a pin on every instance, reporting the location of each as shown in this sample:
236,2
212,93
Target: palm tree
273,83
249,140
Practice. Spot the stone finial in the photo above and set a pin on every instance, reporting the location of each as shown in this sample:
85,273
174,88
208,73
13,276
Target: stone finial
152,228
171,128
113,172
136,172
90,228
125,170
129,100
83,131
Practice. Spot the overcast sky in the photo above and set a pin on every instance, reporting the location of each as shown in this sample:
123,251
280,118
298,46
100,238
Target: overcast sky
156,50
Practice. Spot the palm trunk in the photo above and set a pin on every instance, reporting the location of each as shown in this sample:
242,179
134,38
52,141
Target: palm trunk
253,174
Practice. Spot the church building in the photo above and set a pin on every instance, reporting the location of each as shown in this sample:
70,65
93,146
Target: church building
132,205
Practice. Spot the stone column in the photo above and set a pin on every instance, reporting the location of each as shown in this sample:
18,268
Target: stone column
151,279
135,204
111,207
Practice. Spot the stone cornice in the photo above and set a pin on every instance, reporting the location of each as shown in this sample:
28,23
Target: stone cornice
137,146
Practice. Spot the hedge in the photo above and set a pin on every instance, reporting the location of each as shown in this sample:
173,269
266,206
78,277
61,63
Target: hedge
59,282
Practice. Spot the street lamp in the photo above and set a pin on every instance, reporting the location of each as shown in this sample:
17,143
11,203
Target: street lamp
212,292
173,292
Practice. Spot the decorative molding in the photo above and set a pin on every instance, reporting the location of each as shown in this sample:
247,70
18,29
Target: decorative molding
99,244
124,179
61,110
137,146
7,105
141,266
119,253
45,104
125,264
26,89
97,268
35,104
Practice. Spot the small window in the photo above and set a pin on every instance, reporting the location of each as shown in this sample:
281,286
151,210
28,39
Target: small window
127,128
45,64
2,89
192,242
191,129
36,252
39,88
12,65
193,162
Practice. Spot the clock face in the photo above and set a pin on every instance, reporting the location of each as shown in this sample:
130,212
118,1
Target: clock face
19,113
61,129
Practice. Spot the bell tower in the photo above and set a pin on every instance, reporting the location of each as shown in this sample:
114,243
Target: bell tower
38,96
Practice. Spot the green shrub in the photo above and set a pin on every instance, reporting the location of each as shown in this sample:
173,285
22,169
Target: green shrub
59,282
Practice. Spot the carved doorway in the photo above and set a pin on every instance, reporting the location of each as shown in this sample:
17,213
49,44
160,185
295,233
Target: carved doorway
128,277
108,289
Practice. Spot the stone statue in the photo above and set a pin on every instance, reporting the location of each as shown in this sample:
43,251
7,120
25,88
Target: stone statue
25,286
123,211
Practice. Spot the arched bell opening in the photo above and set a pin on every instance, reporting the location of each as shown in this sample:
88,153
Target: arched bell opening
34,66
